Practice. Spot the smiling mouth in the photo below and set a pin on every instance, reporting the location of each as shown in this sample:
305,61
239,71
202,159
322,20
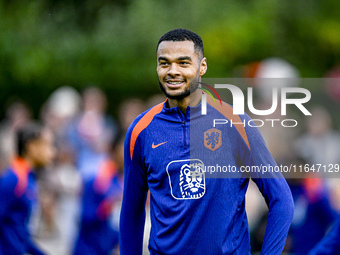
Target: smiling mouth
174,84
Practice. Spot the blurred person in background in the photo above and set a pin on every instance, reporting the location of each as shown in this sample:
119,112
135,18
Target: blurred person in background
18,190
332,83
91,133
17,115
313,214
269,74
101,203
155,99
129,109
59,110
321,143
60,185
330,244
315,194
118,158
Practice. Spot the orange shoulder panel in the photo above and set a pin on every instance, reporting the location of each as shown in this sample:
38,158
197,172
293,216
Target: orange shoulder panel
21,169
106,172
142,124
227,111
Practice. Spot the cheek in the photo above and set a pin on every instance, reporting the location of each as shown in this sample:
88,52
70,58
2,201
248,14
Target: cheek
191,73
47,154
161,72
51,153
35,152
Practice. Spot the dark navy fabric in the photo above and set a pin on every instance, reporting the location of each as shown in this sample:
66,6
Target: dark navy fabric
330,244
313,215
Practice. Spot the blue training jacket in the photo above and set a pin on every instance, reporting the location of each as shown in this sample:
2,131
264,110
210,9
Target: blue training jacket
197,204
97,235
17,196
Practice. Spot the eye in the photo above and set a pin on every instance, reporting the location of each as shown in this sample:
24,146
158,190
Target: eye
163,63
184,63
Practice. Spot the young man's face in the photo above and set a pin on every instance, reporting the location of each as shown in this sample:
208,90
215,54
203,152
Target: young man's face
41,152
179,67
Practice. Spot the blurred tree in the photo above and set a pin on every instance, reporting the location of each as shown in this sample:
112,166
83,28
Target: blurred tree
112,43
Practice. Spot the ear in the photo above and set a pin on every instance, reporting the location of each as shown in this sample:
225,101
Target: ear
203,66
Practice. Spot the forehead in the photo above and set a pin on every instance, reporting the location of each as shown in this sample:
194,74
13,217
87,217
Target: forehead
173,49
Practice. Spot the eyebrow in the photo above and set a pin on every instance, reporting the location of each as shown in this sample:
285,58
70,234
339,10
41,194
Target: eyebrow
185,58
178,59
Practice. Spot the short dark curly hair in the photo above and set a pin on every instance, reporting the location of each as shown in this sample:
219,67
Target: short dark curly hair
28,133
182,34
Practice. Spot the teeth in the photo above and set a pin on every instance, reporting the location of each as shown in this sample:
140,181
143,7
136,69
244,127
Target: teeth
174,82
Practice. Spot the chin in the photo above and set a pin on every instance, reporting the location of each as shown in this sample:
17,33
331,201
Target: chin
42,164
178,93
175,93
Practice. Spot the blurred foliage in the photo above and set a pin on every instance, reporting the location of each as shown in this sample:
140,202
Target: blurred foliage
112,43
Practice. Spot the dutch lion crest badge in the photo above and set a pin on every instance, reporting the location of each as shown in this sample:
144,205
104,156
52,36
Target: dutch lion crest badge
212,139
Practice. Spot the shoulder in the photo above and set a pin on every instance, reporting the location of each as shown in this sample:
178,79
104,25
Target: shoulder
139,125
8,180
9,175
237,123
241,124
18,176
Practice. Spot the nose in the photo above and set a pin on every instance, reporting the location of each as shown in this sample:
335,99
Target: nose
173,70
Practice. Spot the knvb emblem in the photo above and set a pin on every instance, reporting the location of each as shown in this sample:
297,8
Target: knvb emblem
212,139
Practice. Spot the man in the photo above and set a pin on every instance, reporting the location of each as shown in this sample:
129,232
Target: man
18,192
91,133
98,230
166,149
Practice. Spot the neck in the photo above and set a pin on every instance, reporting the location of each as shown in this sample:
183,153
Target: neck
29,162
192,100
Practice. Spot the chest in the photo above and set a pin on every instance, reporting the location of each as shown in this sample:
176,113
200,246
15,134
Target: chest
183,159
23,203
